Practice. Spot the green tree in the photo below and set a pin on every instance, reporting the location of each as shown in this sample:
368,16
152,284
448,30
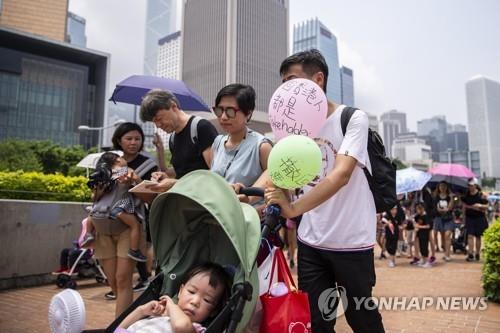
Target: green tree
18,155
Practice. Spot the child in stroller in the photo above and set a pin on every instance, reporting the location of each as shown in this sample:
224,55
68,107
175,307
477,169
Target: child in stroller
112,200
77,261
202,293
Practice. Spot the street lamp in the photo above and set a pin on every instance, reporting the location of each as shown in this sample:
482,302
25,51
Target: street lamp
100,129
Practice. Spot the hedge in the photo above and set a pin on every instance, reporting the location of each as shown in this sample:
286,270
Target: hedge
39,186
491,267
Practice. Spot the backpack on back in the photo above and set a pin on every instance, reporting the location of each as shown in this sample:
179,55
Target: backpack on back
193,132
382,180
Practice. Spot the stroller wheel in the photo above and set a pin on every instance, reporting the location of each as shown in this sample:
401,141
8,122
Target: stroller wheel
62,280
71,284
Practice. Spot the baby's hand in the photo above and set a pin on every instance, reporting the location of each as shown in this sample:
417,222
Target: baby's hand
153,308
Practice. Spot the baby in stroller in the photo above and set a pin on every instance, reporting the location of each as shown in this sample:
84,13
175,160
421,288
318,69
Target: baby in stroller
107,184
202,293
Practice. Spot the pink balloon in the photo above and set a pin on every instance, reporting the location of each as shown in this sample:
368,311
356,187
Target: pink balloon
299,107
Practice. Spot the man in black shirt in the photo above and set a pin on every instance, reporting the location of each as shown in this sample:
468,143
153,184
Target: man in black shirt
189,152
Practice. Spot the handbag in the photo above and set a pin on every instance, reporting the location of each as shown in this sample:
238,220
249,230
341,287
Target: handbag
290,312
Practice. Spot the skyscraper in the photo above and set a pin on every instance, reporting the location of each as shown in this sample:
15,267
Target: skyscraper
314,34
347,86
392,123
169,56
227,41
75,32
483,114
160,21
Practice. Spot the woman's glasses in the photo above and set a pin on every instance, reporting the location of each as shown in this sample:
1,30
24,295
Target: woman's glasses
230,111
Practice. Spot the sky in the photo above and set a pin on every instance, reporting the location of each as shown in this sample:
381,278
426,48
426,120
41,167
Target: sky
413,55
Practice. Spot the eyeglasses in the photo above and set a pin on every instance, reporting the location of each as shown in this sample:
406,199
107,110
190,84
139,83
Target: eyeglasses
230,111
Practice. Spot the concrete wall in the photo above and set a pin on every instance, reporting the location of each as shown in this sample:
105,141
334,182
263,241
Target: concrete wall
32,234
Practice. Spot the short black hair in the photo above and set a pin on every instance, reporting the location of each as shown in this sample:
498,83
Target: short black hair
312,61
156,100
217,276
123,129
244,95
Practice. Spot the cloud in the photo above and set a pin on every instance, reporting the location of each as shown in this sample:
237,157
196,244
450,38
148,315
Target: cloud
368,85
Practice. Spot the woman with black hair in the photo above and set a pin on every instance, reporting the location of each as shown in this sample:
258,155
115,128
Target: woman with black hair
475,205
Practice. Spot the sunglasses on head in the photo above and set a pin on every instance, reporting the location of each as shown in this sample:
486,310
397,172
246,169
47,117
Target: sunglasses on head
230,111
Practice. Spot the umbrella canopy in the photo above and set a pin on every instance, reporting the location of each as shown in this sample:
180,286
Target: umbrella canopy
411,179
90,161
132,89
493,197
454,174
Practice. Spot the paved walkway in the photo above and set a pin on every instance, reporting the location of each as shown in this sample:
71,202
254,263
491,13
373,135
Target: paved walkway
25,310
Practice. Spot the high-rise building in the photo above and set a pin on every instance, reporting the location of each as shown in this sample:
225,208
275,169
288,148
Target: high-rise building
169,56
435,126
392,124
312,34
347,86
227,41
456,141
49,88
45,18
75,33
160,22
409,147
483,114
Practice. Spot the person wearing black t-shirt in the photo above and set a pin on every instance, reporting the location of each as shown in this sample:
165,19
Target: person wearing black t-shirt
392,222
443,221
475,206
188,153
422,225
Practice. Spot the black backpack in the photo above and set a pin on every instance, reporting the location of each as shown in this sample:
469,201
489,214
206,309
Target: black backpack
382,181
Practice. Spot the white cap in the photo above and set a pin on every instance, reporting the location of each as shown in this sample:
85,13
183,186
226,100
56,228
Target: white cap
473,181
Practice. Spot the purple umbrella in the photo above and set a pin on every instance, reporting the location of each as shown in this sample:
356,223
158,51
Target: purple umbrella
132,90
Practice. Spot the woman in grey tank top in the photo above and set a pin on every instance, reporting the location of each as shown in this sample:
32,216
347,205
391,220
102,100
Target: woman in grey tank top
240,156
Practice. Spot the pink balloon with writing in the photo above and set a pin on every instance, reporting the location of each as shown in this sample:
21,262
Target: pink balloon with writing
299,107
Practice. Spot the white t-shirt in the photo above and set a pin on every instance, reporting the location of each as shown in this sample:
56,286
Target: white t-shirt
347,221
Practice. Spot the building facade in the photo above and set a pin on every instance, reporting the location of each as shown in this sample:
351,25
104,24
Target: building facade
75,32
457,141
160,22
391,125
312,34
409,147
45,18
228,41
372,121
48,89
347,86
483,115
169,56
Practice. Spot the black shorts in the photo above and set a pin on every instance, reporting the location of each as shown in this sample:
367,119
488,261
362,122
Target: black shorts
476,225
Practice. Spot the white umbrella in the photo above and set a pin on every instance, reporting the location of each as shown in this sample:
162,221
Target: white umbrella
90,161
410,179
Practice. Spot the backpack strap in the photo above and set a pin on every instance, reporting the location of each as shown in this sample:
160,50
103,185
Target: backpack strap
347,113
193,132
145,167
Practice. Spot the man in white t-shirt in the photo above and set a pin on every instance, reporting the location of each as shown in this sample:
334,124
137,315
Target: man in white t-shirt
337,232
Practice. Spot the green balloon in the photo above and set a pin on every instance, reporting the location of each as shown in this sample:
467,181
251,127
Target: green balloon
294,161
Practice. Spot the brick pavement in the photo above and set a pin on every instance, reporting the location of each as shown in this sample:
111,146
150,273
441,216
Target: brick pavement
25,310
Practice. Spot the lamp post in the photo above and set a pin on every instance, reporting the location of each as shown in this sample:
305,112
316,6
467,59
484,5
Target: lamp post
100,129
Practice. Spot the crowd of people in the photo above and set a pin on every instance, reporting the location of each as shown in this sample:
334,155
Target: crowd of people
331,221
427,222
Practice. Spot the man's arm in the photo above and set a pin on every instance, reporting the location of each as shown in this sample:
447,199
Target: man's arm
328,187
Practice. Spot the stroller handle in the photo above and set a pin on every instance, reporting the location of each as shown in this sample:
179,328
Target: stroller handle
252,191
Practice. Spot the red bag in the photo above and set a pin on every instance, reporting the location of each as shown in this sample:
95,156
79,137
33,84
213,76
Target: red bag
288,313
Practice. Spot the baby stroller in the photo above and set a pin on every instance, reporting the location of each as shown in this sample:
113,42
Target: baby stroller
84,265
200,219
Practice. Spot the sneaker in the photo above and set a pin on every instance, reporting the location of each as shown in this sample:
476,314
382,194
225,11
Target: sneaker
110,295
414,261
426,265
392,264
432,260
137,255
477,257
447,259
61,270
470,258
87,239
141,286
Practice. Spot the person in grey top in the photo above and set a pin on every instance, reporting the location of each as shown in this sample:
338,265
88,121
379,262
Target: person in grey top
241,155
